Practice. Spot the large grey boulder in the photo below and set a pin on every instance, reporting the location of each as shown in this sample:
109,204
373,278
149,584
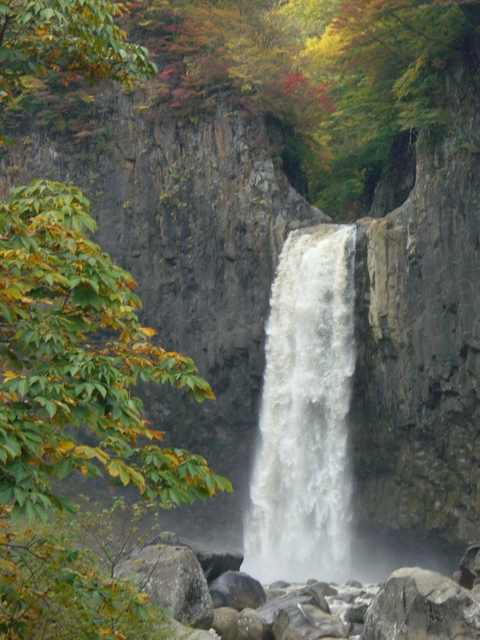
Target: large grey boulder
416,604
173,576
213,562
304,596
306,622
237,590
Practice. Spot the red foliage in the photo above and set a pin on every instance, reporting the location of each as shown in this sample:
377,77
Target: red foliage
293,81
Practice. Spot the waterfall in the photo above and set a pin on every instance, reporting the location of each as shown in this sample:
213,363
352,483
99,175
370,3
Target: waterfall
298,526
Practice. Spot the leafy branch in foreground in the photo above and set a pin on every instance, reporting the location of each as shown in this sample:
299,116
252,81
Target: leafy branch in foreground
71,346
53,587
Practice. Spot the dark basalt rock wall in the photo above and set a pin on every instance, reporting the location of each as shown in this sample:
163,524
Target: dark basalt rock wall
198,213
416,405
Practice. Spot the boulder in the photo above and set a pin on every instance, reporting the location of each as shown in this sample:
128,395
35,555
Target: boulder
304,596
354,583
237,590
322,587
306,622
187,633
250,626
470,567
416,603
225,622
214,563
173,576
356,613
232,625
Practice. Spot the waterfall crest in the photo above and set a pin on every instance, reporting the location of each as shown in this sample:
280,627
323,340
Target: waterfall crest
298,526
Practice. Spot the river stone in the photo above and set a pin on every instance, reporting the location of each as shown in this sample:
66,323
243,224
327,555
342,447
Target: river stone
354,583
237,590
322,587
419,604
306,622
470,567
187,633
174,577
225,622
303,596
250,625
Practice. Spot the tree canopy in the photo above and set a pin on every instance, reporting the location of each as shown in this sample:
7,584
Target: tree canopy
342,76
66,39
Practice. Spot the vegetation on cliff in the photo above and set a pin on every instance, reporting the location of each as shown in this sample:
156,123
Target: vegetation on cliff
343,77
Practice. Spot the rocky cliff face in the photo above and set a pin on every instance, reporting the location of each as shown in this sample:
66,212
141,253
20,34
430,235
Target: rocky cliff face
417,389
198,213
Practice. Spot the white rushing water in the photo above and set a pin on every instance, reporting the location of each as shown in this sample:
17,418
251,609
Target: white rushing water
299,523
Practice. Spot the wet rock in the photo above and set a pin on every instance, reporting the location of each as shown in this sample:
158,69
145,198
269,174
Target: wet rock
225,622
356,613
416,603
250,625
237,590
322,587
354,583
470,567
281,584
356,630
214,562
244,625
174,577
304,596
306,622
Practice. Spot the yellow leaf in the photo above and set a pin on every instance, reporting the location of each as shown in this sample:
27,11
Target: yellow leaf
148,331
83,470
64,446
158,435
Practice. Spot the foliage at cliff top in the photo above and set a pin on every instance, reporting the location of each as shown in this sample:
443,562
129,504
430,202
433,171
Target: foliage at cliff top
71,347
65,39
346,75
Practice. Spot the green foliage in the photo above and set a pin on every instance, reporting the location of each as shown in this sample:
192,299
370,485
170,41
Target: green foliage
54,586
65,38
113,532
71,347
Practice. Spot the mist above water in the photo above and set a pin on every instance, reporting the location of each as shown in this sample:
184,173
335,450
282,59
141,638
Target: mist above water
299,522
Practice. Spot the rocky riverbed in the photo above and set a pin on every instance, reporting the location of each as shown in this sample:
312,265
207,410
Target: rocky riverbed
208,596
